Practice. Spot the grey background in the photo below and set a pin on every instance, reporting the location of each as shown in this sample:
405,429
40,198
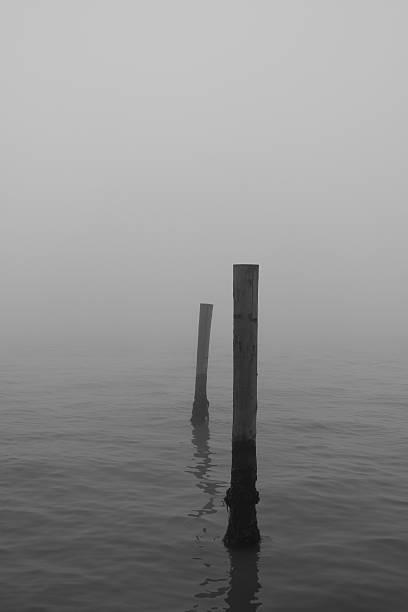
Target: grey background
146,146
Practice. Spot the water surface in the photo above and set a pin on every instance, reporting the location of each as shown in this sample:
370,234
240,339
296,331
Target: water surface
112,501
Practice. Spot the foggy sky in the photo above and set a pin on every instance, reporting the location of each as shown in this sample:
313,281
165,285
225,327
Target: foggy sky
147,146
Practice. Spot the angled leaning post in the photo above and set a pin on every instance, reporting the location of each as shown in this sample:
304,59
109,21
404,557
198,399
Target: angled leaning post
201,403
242,496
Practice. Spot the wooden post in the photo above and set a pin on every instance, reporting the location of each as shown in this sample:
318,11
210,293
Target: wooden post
201,403
242,495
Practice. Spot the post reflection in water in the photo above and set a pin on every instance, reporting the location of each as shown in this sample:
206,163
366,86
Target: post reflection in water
236,590
244,583
202,468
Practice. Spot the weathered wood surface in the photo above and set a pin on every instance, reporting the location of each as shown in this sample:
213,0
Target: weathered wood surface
242,496
201,403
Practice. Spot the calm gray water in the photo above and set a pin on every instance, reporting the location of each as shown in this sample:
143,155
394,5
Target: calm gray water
110,501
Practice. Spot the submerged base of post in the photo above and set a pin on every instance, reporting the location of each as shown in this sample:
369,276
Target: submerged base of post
242,497
201,403
200,411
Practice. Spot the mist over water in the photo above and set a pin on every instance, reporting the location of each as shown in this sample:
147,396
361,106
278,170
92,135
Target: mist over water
145,149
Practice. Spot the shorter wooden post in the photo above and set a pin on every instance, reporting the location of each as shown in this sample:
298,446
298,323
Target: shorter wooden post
201,403
242,495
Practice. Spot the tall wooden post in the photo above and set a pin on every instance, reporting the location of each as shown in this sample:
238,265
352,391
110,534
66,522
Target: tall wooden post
242,495
201,403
